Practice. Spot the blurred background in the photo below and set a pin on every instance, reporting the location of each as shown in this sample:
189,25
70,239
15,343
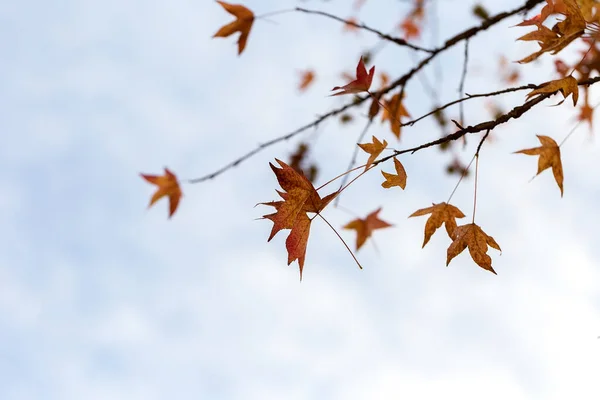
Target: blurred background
103,298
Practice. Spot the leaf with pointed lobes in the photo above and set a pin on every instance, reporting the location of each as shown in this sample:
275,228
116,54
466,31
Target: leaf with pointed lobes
167,186
473,237
567,85
364,227
442,213
549,153
394,111
374,149
306,79
362,83
299,198
398,179
242,24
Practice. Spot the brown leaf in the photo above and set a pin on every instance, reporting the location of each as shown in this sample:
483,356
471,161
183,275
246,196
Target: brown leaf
398,179
394,111
473,237
549,153
441,213
365,227
374,149
306,79
242,24
567,85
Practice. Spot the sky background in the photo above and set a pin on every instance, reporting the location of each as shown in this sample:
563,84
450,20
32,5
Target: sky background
103,298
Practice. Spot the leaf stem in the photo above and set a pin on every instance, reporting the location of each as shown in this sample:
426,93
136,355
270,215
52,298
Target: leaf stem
345,244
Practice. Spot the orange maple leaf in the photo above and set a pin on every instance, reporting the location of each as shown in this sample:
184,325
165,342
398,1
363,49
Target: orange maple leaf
299,198
365,227
306,79
394,111
242,24
410,28
586,113
398,179
374,149
549,153
473,237
167,186
442,213
350,25
362,83
567,85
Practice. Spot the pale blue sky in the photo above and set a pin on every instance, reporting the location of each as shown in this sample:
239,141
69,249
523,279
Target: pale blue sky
102,298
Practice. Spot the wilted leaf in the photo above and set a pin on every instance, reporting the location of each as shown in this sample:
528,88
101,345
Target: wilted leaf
397,179
374,149
567,85
441,213
362,83
473,237
549,153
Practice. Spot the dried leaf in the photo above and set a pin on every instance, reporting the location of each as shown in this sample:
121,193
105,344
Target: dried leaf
242,24
473,237
398,179
394,111
549,153
299,198
365,227
567,85
362,83
374,149
441,213
167,186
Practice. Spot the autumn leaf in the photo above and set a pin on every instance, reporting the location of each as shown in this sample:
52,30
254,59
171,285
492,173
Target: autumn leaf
441,213
167,186
473,237
398,179
362,83
586,113
351,25
365,227
242,24
567,85
374,149
299,198
410,29
306,79
394,111
549,153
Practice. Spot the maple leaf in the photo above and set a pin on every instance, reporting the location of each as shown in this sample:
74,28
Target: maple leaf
586,113
549,153
299,197
398,179
442,213
350,25
167,186
374,149
242,24
306,78
473,237
365,227
393,112
567,85
362,83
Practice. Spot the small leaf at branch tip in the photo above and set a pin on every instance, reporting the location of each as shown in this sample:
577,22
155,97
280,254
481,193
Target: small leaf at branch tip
362,83
398,179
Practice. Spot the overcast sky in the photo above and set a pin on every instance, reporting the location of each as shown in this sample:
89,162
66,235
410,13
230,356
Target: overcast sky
103,298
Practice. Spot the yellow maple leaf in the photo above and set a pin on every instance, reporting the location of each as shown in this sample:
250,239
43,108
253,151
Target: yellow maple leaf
549,153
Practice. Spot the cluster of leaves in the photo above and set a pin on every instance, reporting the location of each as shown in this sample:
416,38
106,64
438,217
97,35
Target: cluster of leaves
300,202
